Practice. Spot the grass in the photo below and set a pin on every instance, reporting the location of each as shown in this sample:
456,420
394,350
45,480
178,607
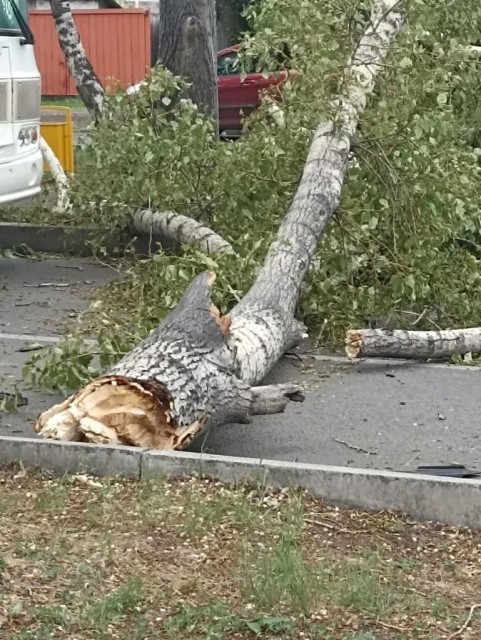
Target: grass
91,559
73,103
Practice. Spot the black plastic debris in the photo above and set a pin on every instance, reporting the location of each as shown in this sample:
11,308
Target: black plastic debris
448,471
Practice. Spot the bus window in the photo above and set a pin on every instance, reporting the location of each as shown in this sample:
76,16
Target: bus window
8,22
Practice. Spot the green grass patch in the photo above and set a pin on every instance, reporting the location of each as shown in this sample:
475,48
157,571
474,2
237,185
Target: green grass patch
72,102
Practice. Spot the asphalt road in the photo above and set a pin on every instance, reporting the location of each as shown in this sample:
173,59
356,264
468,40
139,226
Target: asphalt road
381,415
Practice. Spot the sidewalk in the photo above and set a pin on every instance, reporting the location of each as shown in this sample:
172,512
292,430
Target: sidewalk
375,415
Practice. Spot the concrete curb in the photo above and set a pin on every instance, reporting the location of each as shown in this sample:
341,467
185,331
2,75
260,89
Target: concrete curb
74,241
446,500
72,457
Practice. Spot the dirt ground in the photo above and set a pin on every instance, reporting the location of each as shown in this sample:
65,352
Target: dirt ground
89,559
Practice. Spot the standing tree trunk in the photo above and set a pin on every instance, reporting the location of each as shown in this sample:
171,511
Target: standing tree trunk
187,48
197,368
230,23
88,85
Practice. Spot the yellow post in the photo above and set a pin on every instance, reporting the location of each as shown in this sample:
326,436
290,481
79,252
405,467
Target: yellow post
57,129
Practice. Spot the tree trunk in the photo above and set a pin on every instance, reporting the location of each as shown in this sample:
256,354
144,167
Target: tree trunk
230,22
88,85
416,345
187,48
198,368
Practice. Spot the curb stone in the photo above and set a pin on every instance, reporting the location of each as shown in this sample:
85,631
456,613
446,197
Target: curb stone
75,241
72,457
447,500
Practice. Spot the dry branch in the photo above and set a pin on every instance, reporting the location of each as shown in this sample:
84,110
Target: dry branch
181,229
416,345
197,369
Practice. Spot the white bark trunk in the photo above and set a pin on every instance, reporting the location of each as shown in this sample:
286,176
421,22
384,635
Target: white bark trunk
58,174
417,345
88,85
263,317
198,368
181,229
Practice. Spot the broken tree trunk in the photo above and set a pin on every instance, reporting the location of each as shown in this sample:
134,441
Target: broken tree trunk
88,85
415,345
187,48
198,368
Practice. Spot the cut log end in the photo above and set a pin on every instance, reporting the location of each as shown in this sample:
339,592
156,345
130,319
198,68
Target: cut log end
117,410
353,343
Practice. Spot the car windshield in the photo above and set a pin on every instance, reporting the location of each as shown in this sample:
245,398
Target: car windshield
8,23
233,63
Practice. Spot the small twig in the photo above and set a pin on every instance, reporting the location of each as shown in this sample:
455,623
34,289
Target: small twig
391,626
462,629
320,523
49,284
69,266
292,354
355,448
420,317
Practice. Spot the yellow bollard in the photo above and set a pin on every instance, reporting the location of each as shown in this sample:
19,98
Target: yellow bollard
57,129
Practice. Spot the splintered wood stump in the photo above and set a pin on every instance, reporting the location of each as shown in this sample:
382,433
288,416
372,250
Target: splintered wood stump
182,378
416,345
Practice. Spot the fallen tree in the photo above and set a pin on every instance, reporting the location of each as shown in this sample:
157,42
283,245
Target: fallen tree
198,368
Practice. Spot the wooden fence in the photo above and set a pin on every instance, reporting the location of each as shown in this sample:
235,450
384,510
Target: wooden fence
117,43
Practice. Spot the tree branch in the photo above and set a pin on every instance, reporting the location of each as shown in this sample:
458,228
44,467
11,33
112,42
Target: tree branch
274,398
181,229
58,174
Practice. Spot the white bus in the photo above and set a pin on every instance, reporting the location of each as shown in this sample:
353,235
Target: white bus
21,162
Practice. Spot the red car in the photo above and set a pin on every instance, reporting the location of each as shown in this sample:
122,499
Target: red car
239,93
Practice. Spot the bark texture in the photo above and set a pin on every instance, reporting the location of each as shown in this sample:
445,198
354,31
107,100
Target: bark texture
416,345
88,85
207,365
263,317
58,174
230,22
181,229
187,47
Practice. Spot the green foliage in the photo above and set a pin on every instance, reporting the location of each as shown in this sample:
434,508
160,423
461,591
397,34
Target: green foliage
215,621
407,235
